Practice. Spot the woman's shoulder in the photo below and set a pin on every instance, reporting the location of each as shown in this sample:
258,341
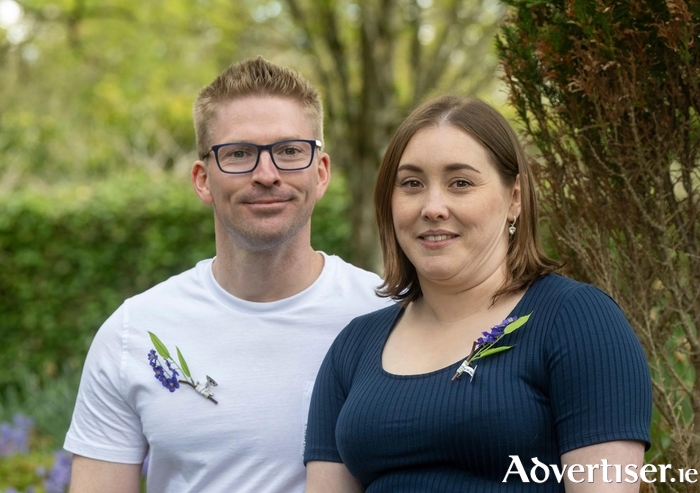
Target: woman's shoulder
559,289
569,308
559,301
377,317
558,282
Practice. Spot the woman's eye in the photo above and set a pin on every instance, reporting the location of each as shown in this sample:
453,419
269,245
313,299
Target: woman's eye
461,183
410,183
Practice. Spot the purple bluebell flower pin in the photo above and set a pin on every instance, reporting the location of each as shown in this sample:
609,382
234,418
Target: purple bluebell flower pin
483,346
168,376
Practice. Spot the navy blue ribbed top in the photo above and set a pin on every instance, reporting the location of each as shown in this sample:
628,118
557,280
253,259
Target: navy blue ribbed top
576,376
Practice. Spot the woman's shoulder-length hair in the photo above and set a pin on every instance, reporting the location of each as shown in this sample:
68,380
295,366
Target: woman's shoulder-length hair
525,260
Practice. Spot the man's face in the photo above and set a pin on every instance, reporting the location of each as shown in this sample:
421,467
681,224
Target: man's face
265,208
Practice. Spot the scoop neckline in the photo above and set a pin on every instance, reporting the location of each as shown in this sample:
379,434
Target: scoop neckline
432,373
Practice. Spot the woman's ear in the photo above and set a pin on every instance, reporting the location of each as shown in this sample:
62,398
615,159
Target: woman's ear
515,203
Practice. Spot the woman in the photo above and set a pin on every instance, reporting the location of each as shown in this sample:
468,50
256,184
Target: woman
489,364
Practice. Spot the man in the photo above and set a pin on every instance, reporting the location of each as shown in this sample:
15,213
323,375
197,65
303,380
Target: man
226,411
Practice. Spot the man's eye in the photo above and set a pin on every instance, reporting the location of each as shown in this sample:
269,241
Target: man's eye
288,150
234,153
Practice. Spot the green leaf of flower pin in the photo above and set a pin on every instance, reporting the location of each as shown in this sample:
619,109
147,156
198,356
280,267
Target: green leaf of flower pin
490,351
160,347
183,363
517,324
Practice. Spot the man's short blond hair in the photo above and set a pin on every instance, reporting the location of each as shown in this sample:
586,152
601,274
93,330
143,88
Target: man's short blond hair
254,77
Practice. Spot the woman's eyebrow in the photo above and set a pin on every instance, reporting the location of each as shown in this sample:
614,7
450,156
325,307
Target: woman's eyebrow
449,167
461,166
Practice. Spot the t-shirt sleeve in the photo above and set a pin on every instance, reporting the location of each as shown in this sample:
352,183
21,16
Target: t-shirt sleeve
326,403
600,387
104,424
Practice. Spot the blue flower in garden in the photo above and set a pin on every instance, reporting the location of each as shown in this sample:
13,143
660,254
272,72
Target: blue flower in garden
14,438
59,475
29,489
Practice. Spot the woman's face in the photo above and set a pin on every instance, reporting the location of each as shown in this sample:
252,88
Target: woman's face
450,209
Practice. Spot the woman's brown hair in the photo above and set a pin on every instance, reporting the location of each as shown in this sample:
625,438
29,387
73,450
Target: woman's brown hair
525,260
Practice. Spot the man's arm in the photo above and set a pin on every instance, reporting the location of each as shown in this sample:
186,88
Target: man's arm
322,477
97,476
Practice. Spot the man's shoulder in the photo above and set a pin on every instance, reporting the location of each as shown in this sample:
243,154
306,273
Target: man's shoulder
350,284
343,271
183,283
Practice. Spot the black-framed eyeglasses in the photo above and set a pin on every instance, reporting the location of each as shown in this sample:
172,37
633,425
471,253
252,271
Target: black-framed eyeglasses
243,157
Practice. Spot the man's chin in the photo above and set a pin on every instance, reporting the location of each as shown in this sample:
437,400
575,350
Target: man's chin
268,236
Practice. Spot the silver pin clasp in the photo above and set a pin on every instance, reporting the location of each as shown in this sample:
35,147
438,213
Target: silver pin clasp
464,368
205,389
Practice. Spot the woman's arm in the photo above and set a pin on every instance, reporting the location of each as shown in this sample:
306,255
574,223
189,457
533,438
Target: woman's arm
325,477
618,455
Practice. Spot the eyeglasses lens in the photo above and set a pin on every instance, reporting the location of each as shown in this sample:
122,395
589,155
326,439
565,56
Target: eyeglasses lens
241,157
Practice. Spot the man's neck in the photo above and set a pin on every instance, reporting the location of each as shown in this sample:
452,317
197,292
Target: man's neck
269,275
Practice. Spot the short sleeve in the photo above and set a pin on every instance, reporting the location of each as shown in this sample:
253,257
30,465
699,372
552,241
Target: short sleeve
326,403
600,387
104,425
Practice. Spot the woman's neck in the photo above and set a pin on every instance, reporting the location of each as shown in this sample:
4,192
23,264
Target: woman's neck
446,304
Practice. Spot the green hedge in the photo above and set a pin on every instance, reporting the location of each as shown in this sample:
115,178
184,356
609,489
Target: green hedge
70,256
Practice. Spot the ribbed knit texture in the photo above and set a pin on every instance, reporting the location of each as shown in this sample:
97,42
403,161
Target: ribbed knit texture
576,376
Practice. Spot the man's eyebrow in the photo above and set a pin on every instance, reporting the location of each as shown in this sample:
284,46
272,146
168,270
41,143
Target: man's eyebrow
449,167
249,141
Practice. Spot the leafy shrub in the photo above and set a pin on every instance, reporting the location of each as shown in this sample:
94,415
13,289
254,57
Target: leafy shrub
70,256
609,92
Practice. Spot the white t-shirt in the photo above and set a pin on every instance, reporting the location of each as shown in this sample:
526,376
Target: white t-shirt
264,357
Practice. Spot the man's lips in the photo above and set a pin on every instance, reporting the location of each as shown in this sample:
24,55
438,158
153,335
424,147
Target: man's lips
265,200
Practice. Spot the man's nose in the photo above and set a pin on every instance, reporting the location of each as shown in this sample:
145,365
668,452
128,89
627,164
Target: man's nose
266,173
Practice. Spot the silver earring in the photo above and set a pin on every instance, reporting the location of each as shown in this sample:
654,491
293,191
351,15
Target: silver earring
511,229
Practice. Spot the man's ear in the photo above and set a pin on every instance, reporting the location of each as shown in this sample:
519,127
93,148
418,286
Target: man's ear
200,181
324,175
